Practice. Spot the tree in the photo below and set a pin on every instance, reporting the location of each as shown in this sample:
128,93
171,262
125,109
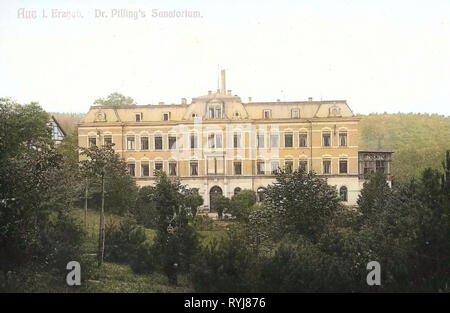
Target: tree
221,204
374,194
242,204
193,202
115,99
296,203
145,209
176,241
103,165
37,189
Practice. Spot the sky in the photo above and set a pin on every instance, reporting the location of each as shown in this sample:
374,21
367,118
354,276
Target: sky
380,56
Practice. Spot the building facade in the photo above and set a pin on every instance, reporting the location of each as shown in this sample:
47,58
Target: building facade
220,145
58,132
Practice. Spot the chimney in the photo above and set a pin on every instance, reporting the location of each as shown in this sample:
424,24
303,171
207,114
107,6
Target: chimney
249,99
229,92
209,92
310,99
183,100
224,84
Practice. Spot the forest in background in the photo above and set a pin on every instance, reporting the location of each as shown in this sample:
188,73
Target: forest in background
418,140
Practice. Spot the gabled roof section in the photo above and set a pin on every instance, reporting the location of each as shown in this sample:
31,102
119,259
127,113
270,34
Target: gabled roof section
57,124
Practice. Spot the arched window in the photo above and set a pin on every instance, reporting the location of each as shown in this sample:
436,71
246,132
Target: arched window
261,193
237,190
343,193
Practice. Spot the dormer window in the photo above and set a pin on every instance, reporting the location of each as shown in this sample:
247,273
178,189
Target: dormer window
166,116
267,114
335,111
215,110
138,117
218,112
295,113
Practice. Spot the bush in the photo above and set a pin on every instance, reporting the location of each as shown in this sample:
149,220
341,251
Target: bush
123,240
203,223
63,241
145,261
224,266
145,209
242,205
303,267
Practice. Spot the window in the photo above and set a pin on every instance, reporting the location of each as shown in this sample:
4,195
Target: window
326,139
107,140
343,139
131,143
368,170
380,166
211,141
194,168
215,111
132,169
166,116
144,143
236,141
92,141
288,140
303,140
158,166
194,141
145,169
260,141
218,140
326,166
274,139
295,113
343,193
260,168
173,168
303,165
267,114
237,168
343,166
172,142
158,142
274,167
218,112
237,190
215,141
215,165
138,117
288,166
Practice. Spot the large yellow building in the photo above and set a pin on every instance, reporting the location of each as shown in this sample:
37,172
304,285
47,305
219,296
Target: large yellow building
218,144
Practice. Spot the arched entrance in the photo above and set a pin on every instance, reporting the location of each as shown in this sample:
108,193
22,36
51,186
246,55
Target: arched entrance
343,193
213,193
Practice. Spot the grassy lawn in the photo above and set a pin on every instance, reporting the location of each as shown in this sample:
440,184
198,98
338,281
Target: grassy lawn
112,277
93,220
